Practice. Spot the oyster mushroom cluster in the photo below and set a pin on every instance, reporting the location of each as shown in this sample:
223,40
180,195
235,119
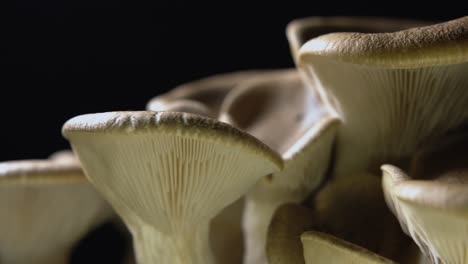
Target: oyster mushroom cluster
357,155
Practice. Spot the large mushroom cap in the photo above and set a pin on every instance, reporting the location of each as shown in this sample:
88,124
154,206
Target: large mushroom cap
394,90
299,31
46,207
167,167
435,45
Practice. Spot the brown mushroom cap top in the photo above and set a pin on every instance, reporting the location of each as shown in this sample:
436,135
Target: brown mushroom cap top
435,45
167,122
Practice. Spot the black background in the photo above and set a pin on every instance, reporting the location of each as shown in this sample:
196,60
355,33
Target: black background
64,58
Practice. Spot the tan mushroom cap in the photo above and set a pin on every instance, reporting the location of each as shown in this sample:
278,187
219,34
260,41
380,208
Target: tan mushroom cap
47,206
205,96
189,166
299,31
284,243
323,248
433,212
435,45
283,113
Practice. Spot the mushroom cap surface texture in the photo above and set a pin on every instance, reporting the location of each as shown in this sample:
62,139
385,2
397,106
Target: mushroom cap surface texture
47,206
299,31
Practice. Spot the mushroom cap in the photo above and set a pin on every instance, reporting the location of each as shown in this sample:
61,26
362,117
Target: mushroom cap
171,170
181,105
299,31
434,45
258,106
304,140
208,93
33,172
288,223
323,248
47,206
434,213
399,89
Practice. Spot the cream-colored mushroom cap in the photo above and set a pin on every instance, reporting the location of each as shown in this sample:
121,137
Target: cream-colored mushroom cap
323,248
172,171
284,114
204,96
299,31
433,212
435,45
46,207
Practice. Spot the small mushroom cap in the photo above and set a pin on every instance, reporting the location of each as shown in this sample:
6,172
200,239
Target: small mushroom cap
433,212
369,223
435,45
168,168
208,93
46,207
301,30
284,243
323,248
182,105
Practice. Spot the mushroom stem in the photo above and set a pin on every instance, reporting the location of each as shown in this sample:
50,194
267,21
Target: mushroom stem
189,246
256,220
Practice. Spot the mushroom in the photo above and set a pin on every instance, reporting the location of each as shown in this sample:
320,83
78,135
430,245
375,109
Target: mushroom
167,174
432,204
284,233
299,31
322,248
225,229
203,97
47,207
339,202
285,115
394,90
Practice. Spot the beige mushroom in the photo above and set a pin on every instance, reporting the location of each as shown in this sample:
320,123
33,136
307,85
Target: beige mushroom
322,248
432,206
225,229
203,97
167,174
282,113
289,222
299,31
340,202
394,91
46,207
